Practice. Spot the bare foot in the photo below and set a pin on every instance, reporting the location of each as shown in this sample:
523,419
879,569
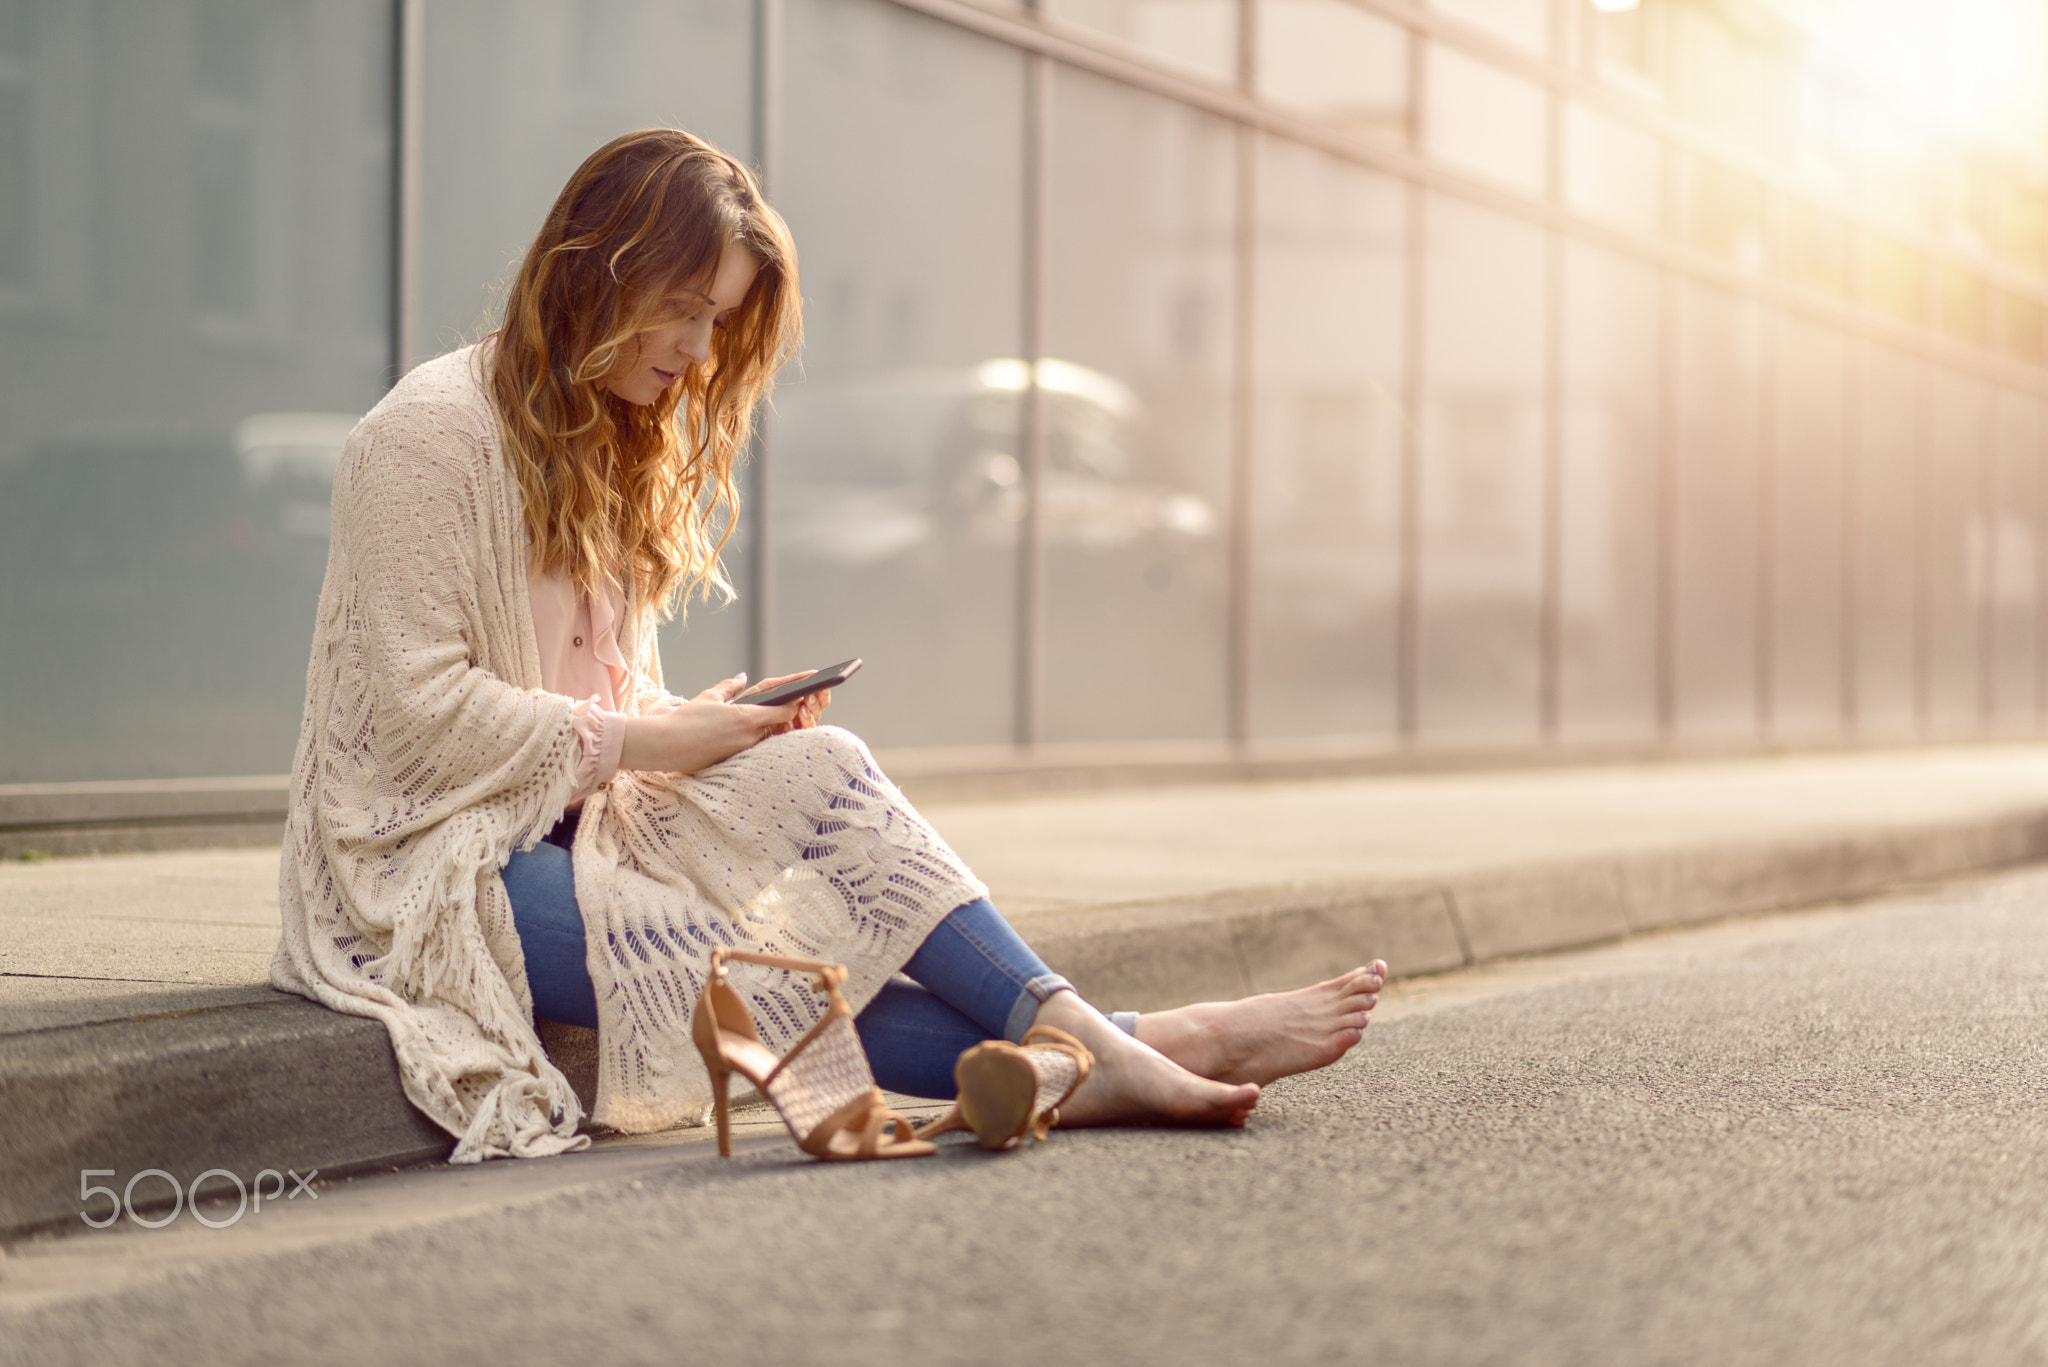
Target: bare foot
1270,1036
1135,1084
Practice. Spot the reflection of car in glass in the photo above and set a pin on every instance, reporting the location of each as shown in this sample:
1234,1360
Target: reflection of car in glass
163,579
899,501
925,461
294,454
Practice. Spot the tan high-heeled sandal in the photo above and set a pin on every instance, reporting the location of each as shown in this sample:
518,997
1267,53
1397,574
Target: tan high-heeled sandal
823,1088
1008,1091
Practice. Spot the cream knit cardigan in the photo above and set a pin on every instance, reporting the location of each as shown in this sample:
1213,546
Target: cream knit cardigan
429,753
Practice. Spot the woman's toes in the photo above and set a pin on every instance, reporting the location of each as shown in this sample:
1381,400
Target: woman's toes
1371,978
1240,1103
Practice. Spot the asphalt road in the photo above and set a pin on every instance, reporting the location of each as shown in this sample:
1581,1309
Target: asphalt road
1814,1138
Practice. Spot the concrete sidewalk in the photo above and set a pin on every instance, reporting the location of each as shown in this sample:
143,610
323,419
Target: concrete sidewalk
136,1029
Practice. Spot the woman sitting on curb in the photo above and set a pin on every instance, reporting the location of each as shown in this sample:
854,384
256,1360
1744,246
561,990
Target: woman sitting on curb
498,811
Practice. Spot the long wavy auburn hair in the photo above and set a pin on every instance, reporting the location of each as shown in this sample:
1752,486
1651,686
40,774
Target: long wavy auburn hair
643,494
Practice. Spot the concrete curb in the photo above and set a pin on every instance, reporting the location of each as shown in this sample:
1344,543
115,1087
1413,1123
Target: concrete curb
141,814
1152,955
271,1081
253,1079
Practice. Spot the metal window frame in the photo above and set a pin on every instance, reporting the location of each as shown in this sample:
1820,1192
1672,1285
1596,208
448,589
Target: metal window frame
1030,604
408,129
759,511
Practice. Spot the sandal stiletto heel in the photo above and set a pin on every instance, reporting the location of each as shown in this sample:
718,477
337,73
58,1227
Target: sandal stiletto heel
822,1088
1008,1092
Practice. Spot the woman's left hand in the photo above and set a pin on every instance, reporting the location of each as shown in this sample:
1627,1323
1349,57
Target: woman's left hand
808,710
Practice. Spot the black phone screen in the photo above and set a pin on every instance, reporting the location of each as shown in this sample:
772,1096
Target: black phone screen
830,677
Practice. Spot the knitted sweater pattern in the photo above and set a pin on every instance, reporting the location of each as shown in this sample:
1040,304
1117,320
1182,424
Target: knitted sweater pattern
429,752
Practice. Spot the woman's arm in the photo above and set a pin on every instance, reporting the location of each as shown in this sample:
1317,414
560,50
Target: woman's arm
687,736
669,733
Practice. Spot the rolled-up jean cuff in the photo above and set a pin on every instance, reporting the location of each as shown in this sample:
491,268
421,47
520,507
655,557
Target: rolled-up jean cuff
1126,1021
1036,990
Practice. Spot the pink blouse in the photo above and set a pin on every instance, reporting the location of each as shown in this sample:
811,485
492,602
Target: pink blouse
580,658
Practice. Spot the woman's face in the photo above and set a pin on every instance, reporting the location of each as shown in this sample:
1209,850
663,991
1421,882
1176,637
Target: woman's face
682,339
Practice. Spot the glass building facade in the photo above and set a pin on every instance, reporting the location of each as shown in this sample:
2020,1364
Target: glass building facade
1483,373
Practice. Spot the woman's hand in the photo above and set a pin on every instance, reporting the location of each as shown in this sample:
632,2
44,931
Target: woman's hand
808,709
712,726
725,690
699,733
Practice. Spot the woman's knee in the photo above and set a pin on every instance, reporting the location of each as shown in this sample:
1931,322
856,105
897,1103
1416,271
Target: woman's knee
835,746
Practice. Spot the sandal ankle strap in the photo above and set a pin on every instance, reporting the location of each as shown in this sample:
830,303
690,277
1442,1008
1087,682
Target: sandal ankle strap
865,1116
829,976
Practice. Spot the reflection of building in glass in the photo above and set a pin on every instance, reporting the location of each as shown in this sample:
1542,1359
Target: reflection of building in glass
1479,371
195,227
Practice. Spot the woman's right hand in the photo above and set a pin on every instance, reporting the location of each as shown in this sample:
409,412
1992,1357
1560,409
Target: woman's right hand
696,734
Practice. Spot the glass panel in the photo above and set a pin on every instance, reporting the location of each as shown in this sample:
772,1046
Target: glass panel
1816,249
1139,314
1199,36
1815,148
2020,327
1481,498
1723,77
1613,172
2011,583
30,61
894,456
519,95
1622,44
1330,58
1607,535
174,409
1525,23
1328,456
1961,304
1724,212
1484,121
1893,178
1963,187
1887,566
1892,278
516,97
2023,227
1956,554
1806,533
17,168
1714,507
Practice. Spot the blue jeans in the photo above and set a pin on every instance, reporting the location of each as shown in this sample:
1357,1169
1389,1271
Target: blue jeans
972,979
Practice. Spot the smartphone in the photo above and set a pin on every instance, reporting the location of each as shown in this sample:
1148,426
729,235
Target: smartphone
803,688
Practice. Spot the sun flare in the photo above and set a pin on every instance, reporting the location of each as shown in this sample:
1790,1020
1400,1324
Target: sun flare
1959,65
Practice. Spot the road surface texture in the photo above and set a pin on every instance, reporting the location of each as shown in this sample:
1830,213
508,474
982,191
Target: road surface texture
1812,1138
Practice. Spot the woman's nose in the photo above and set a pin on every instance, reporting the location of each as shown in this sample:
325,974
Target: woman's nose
695,346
